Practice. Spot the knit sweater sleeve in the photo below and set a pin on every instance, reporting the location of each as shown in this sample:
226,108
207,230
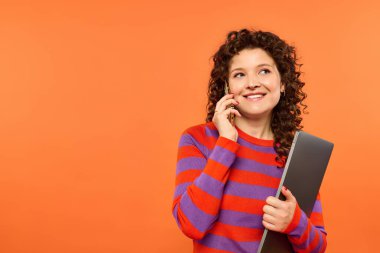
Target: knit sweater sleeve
200,183
308,234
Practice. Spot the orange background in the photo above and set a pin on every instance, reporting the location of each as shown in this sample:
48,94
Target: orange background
94,97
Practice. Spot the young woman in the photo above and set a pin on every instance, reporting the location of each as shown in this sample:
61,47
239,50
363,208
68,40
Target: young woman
229,168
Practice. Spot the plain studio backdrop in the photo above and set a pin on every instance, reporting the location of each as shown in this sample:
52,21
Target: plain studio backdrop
95,94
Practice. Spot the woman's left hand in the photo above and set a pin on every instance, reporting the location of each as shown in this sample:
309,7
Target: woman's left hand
278,213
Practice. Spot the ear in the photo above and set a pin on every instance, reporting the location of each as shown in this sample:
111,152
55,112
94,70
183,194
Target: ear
282,87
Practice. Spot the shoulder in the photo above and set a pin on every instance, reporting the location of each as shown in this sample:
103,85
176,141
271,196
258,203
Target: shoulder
199,128
204,134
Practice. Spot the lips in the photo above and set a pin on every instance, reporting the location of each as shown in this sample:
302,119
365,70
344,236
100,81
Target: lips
254,96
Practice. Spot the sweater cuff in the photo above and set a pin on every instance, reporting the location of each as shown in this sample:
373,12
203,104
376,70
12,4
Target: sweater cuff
227,144
295,220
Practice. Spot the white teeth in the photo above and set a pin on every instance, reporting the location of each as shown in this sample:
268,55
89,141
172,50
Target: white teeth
255,96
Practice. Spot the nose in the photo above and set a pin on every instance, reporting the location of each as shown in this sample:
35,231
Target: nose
254,82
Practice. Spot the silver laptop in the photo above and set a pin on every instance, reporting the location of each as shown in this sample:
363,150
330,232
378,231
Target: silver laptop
303,174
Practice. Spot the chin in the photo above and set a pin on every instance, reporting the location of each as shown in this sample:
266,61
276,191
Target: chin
256,114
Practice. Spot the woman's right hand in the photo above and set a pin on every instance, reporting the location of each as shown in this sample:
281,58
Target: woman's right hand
220,119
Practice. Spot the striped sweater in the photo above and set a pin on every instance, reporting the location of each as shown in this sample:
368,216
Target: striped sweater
220,192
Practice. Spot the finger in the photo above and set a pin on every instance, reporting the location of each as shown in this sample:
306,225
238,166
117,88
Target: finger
227,103
270,226
287,193
225,97
275,202
269,218
270,210
232,110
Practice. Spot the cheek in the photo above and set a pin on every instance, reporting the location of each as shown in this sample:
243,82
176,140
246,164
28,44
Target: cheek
276,95
277,98
276,89
235,89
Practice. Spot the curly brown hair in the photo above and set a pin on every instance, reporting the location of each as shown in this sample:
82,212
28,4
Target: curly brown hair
286,116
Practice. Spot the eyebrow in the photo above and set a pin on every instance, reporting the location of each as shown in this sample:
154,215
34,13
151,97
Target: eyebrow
260,65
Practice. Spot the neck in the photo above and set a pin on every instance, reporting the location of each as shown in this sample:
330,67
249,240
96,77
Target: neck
259,127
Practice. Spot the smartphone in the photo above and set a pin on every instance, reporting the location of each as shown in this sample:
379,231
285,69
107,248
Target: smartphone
231,117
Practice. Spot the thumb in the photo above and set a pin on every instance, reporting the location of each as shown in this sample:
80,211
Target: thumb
287,193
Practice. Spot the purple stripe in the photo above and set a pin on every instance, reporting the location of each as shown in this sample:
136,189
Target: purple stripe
249,191
301,226
253,166
241,219
322,229
190,163
318,247
196,216
210,185
307,242
223,243
212,132
222,155
189,140
186,140
175,214
181,188
263,149
317,207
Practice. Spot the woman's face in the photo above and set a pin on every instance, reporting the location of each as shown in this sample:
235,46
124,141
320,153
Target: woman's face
256,83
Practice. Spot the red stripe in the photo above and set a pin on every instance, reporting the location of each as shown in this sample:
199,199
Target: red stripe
240,204
240,234
254,178
175,201
324,245
199,134
217,170
188,151
211,125
257,141
204,201
227,144
317,219
264,158
187,176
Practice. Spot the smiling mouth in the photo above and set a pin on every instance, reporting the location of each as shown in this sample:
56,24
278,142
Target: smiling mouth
255,97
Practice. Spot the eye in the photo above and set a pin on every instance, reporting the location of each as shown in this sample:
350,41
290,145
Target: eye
238,74
265,70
